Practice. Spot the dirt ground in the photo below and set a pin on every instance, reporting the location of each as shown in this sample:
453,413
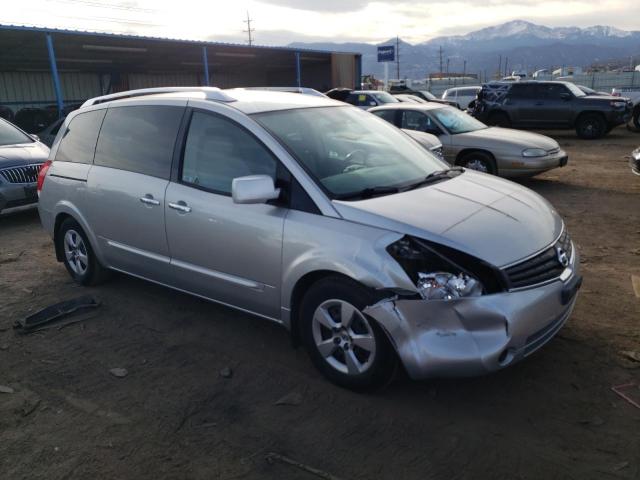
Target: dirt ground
174,416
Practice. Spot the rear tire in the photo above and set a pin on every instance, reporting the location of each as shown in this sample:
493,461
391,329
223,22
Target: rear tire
349,348
479,161
499,119
78,256
591,126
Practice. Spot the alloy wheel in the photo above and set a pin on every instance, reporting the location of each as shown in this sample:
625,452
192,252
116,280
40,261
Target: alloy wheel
343,337
478,165
75,252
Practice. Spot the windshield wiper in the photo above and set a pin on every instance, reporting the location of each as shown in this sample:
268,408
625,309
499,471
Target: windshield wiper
436,176
368,193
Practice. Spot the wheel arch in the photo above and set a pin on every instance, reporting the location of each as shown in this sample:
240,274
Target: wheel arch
66,210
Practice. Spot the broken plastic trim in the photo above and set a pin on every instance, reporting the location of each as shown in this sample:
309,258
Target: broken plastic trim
55,312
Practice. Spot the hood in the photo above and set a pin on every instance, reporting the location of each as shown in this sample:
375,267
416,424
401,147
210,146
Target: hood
505,137
493,219
23,154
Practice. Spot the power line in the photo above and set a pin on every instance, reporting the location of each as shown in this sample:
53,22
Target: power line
249,30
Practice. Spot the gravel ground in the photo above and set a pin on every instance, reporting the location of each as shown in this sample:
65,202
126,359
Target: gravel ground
200,398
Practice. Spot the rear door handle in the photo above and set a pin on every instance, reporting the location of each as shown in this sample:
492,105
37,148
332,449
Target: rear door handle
180,206
149,200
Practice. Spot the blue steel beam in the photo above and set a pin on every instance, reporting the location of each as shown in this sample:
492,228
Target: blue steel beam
54,74
298,71
205,64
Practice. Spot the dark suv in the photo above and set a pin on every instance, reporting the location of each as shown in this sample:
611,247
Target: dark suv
534,104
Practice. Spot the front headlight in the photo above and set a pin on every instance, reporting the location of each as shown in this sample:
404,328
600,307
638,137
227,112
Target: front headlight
534,152
618,103
437,151
441,273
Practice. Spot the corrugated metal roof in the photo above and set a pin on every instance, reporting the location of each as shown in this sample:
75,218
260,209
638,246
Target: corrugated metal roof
34,28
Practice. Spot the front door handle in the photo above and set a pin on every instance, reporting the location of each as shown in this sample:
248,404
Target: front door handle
180,206
149,200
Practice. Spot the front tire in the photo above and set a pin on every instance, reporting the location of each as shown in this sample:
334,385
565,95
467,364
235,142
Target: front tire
348,347
78,256
591,126
479,161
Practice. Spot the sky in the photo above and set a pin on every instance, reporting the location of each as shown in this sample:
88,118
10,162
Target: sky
279,22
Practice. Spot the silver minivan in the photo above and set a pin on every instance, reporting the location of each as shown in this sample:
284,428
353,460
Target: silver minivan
314,214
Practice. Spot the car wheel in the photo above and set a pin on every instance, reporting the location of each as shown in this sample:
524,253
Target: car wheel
346,345
479,161
590,126
499,119
79,258
636,117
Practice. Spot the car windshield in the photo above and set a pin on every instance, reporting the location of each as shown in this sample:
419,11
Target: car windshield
10,135
456,121
348,150
384,97
575,90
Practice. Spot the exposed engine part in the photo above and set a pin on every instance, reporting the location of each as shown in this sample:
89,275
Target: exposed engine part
447,286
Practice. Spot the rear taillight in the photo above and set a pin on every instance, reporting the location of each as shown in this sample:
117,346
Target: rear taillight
43,173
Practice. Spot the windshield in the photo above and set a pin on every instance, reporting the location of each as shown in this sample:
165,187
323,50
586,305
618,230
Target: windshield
428,95
456,121
384,97
348,150
10,135
575,90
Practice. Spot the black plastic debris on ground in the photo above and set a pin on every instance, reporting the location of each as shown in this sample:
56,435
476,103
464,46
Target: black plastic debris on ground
56,312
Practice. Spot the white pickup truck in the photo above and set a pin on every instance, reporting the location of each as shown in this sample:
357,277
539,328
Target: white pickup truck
632,93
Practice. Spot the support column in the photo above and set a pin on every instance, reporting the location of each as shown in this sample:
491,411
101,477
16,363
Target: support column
205,63
54,74
298,70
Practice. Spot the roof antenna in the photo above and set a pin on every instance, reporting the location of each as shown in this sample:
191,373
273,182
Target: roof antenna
249,30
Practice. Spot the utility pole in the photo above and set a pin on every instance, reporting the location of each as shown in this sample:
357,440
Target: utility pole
398,57
464,69
499,65
506,68
249,30
440,61
447,67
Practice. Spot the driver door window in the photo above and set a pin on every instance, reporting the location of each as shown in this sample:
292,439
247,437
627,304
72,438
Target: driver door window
218,150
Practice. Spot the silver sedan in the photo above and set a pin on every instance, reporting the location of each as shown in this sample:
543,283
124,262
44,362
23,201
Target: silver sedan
472,144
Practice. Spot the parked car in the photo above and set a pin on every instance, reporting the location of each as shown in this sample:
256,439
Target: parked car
340,93
591,91
634,162
426,95
21,156
48,135
409,98
428,141
472,144
533,104
370,98
34,120
317,216
461,95
633,94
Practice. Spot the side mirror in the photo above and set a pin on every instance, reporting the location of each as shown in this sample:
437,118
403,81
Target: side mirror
565,96
253,189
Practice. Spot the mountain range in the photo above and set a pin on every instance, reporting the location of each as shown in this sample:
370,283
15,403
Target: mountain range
522,45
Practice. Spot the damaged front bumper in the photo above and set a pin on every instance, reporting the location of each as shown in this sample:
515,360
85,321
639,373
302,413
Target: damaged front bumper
474,336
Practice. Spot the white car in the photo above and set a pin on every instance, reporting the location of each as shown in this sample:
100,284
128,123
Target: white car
461,95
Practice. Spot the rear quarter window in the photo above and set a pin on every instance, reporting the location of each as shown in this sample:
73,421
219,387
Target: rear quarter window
78,142
139,139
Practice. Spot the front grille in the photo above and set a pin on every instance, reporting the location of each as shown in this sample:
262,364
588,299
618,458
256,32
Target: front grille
543,267
24,174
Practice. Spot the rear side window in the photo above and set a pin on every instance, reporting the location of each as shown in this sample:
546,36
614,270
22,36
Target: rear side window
388,115
78,143
522,91
450,94
218,150
139,139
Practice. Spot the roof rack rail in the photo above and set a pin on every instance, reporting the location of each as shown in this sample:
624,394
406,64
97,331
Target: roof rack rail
211,93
